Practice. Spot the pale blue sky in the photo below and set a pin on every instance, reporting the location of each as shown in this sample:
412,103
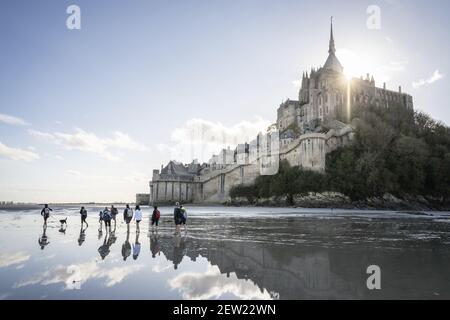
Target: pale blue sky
146,68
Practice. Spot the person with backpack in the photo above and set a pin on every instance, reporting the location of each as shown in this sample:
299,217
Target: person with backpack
137,217
155,218
45,213
114,213
83,213
128,215
177,217
107,219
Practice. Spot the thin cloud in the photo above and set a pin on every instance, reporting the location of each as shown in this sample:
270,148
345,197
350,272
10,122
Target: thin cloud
297,83
76,275
130,177
12,120
213,285
424,82
200,139
17,154
14,258
89,142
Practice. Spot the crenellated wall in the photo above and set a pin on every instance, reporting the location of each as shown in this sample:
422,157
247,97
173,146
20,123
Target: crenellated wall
213,186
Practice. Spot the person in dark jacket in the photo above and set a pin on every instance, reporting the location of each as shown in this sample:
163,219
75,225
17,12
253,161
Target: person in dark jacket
107,219
83,213
45,213
128,216
177,217
114,213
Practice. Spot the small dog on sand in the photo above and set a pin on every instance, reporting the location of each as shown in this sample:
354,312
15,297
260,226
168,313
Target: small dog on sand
63,221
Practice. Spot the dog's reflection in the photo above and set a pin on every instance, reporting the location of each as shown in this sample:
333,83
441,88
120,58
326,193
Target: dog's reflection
63,227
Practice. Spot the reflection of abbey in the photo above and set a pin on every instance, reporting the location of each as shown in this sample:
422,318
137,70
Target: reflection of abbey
306,129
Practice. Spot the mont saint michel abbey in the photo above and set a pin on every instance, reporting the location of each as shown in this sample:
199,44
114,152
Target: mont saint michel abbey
306,129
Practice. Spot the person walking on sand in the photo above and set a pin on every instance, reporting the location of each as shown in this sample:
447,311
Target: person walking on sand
155,218
83,213
184,217
177,217
137,217
45,213
128,216
107,219
100,220
114,213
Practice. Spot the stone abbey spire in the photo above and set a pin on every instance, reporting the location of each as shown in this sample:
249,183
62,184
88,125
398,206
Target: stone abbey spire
332,48
332,62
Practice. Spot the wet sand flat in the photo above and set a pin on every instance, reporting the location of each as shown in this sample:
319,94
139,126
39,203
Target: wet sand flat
227,253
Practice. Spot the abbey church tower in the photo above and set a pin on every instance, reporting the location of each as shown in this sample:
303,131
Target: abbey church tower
326,95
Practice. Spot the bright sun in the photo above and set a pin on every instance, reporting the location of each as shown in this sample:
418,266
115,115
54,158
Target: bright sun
359,64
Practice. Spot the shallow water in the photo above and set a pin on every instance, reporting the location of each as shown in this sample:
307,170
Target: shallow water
227,253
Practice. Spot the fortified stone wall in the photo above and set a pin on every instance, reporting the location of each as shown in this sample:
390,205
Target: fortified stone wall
143,199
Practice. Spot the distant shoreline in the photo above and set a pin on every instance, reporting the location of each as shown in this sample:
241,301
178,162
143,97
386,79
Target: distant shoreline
354,206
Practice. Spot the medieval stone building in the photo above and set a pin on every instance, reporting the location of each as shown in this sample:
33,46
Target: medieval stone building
306,130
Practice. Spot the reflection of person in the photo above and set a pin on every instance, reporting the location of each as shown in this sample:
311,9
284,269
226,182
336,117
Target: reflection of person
43,239
104,248
154,245
83,213
126,247
155,218
136,247
137,217
178,251
82,236
112,237
45,213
